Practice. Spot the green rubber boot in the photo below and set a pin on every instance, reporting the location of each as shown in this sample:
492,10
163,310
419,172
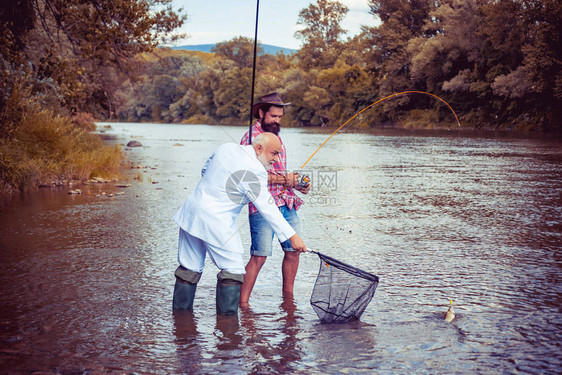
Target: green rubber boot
184,290
184,294
228,292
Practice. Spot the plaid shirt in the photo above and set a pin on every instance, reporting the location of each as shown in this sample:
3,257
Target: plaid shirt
282,195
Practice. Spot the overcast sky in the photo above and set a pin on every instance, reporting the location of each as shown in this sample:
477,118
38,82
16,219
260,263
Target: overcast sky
212,21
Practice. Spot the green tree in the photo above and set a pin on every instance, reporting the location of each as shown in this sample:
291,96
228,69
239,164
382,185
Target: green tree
293,84
349,87
58,58
532,83
446,56
164,76
70,44
389,57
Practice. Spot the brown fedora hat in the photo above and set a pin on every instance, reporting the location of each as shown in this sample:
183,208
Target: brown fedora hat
269,99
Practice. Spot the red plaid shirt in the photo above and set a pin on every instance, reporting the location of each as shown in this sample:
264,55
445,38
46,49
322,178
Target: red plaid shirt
282,195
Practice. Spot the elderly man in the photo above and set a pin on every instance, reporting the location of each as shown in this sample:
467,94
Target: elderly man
232,177
268,110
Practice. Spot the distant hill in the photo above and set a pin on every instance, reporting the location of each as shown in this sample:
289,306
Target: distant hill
267,49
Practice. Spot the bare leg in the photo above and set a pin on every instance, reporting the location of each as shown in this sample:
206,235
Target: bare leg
289,269
252,270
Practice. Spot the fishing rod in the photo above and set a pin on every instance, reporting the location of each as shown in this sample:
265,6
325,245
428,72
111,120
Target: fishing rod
254,70
364,109
369,106
374,103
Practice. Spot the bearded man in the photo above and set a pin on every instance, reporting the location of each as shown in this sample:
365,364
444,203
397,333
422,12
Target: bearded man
268,111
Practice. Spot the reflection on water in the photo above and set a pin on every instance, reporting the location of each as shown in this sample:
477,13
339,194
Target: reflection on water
87,280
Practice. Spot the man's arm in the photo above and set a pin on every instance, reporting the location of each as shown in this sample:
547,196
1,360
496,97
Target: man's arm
290,179
265,204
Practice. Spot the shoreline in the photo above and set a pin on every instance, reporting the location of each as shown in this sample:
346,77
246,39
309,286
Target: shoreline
398,130
393,126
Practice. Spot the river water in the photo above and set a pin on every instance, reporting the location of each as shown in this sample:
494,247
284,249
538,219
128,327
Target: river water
87,280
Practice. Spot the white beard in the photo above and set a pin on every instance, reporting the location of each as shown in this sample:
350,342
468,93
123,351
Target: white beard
264,162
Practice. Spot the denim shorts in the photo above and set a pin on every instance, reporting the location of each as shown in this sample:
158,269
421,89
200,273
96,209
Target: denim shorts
262,233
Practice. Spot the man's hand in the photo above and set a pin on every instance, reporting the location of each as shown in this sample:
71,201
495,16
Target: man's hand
303,189
297,243
292,179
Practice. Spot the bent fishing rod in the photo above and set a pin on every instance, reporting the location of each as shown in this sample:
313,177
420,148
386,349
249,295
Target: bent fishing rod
377,102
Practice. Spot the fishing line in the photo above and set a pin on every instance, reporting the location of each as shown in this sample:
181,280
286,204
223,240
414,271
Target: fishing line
372,104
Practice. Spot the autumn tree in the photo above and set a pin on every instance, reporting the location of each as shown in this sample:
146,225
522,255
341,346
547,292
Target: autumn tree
321,33
239,49
496,62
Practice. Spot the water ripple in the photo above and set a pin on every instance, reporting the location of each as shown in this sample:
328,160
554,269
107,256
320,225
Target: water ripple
87,281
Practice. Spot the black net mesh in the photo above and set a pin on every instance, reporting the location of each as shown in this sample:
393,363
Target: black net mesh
341,292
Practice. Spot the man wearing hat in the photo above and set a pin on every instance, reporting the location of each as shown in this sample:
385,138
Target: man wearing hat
268,111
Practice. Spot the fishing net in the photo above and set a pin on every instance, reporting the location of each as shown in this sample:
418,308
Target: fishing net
341,292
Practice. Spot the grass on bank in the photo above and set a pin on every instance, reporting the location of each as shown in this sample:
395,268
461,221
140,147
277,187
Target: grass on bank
43,148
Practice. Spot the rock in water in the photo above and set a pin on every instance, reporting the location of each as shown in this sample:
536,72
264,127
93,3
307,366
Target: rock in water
134,144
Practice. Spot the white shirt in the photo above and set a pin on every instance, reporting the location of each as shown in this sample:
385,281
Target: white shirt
231,178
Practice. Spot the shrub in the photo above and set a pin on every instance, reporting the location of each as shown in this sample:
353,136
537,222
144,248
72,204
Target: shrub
44,148
84,120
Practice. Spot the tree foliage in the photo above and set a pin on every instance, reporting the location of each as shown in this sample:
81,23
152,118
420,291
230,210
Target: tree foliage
240,50
67,50
60,62
496,62
321,21
321,33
